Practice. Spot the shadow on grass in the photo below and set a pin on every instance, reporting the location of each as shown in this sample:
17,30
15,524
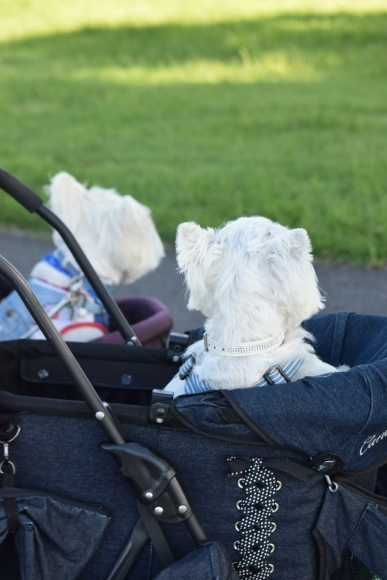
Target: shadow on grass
317,37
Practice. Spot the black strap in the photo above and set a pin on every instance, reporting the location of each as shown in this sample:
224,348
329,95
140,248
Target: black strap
156,535
10,505
238,464
128,556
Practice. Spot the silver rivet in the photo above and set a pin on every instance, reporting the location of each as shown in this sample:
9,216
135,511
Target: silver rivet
160,411
149,495
159,420
183,509
99,415
43,374
159,511
126,379
176,359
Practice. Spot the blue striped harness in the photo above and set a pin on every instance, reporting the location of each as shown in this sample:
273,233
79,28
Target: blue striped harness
274,376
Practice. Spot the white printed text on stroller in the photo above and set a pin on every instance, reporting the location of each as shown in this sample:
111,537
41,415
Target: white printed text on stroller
371,441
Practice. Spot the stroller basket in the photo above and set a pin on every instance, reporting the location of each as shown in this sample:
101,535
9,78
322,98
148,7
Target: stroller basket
289,480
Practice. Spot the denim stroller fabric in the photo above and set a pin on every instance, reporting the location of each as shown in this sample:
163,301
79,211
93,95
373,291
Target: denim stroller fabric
335,424
305,434
56,538
345,413
209,562
350,520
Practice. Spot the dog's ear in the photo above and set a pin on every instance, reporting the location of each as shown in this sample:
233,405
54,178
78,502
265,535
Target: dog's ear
66,197
287,267
304,296
299,243
192,242
196,252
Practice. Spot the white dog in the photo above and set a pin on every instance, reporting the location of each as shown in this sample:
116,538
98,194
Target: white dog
254,281
119,238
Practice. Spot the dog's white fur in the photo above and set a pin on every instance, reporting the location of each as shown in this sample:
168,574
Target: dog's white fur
116,233
252,279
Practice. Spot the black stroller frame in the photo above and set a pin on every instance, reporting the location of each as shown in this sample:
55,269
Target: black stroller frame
160,495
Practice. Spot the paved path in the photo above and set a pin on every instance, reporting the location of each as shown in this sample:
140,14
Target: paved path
346,288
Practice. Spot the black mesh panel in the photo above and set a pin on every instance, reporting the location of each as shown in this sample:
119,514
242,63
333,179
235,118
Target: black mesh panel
353,569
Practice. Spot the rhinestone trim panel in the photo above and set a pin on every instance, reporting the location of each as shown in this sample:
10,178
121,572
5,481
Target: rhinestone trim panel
256,525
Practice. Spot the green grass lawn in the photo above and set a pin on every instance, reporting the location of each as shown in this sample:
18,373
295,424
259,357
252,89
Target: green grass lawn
205,113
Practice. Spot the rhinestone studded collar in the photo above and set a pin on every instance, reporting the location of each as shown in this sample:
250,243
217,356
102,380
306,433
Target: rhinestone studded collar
244,348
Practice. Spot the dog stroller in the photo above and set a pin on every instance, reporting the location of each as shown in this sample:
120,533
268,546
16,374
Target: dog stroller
283,481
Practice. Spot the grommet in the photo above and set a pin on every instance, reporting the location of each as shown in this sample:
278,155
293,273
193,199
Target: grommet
278,485
271,568
241,483
238,526
274,507
272,548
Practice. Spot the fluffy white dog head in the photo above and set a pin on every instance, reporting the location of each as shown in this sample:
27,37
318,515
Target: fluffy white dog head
255,275
116,232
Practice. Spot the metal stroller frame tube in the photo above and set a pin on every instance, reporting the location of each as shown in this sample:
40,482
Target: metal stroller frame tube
34,204
160,497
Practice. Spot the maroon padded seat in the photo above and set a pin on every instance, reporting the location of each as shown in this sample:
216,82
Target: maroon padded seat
150,319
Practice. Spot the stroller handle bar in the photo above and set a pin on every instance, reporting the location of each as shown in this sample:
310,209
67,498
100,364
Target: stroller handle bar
34,204
19,191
